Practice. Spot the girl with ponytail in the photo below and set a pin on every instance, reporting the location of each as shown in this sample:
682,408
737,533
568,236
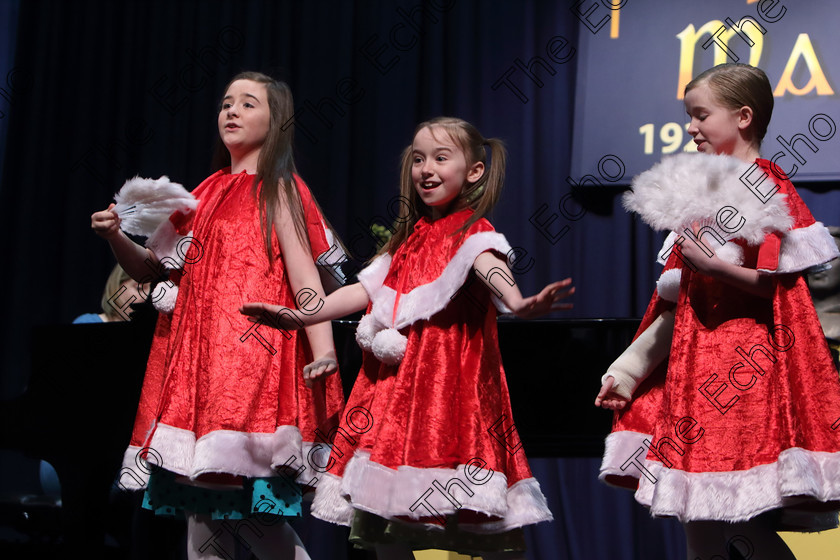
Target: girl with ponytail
430,458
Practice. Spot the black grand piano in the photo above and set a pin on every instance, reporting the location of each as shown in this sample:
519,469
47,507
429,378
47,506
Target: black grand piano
78,410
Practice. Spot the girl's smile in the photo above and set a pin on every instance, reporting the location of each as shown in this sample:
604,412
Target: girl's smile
439,170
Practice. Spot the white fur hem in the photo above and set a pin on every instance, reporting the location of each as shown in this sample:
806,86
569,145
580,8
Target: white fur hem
424,301
225,451
414,492
798,475
620,451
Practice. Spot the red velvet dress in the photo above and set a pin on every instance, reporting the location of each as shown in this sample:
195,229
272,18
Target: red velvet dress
744,416
433,435
221,394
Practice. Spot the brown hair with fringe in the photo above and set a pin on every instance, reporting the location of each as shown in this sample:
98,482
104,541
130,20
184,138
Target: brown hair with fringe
276,164
481,196
740,85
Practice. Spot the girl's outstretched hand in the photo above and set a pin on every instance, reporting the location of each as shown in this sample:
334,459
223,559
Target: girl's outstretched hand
322,367
106,223
608,399
276,316
546,301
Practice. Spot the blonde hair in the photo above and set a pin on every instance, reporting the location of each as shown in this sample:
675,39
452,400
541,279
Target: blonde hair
738,85
112,286
481,196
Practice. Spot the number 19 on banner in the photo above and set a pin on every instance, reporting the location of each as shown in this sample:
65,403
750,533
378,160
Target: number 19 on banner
671,135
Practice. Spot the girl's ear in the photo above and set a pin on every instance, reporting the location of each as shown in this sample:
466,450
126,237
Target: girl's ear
475,172
745,117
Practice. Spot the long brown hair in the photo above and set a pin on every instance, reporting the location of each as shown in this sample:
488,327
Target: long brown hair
481,196
276,164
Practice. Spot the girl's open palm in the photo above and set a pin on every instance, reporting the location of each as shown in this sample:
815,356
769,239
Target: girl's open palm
547,300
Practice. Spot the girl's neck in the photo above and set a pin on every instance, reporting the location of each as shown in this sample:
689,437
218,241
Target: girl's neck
244,162
746,152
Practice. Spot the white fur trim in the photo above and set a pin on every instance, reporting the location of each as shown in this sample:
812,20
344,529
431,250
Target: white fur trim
806,248
424,301
693,188
329,504
373,275
620,449
420,303
668,285
144,204
389,493
389,346
366,330
227,451
165,303
741,495
724,496
667,246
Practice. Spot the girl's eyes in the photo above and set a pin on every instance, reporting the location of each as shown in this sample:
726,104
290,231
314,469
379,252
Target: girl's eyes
246,104
441,158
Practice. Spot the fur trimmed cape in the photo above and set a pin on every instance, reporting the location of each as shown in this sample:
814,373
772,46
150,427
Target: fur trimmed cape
741,419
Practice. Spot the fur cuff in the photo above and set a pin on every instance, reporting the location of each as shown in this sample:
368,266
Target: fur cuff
806,248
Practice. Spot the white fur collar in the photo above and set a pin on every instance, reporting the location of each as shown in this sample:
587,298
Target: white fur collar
424,301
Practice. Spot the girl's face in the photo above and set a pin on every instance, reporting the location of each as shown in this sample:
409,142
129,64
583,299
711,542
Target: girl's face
439,170
716,129
244,117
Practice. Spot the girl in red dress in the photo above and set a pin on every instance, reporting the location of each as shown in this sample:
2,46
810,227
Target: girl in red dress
432,460
224,404
727,402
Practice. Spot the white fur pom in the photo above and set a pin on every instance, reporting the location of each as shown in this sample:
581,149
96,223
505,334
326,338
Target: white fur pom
166,302
366,330
668,285
389,346
143,204
731,253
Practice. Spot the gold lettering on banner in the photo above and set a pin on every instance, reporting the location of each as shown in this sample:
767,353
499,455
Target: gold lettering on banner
805,50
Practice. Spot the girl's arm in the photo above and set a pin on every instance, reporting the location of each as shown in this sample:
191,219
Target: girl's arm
494,272
131,256
340,303
637,362
305,283
746,279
